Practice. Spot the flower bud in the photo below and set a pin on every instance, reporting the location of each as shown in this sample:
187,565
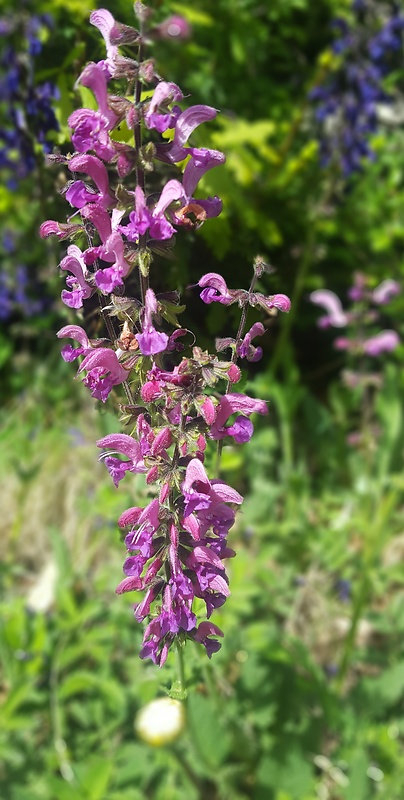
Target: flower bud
160,722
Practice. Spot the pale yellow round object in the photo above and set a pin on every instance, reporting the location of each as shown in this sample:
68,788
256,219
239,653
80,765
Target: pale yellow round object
161,721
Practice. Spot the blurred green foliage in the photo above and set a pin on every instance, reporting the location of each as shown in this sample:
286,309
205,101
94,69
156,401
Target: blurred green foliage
305,700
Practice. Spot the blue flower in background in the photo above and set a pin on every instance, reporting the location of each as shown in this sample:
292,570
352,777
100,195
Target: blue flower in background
27,107
20,295
347,103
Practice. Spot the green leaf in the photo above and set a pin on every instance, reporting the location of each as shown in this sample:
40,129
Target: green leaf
210,740
94,775
293,775
358,780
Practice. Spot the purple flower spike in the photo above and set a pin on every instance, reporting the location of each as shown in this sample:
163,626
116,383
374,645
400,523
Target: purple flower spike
385,291
215,289
332,304
383,342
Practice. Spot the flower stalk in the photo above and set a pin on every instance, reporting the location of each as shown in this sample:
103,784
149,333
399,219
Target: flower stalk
176,546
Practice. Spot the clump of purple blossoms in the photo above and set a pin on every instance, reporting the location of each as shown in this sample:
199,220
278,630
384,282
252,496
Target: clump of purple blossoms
364,340
348,102
361,319
180,399
27,106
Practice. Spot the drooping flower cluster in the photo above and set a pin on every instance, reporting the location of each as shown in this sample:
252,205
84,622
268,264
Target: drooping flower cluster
122,216
348,104
27,106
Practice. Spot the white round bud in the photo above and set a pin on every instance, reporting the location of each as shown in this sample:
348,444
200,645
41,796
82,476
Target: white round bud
161,721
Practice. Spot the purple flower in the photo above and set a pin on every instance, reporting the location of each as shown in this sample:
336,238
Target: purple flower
279,301
385,291
91,128
104,21
164,94
242,429
91,132
200,494
383,342
145,522
59,229
247,350
332,304
139,219
79,288
127,446
150,340
174,27
103,372
112,248
173,152
215,289
68,352
203,634
78,194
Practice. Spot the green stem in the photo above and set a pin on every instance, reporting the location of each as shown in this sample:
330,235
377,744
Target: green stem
187,769
373,546
304,267
234,357
181,666
139,171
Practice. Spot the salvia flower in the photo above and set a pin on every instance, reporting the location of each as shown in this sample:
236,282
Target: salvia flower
176,545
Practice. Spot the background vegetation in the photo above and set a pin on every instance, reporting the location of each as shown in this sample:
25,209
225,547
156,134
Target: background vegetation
305,699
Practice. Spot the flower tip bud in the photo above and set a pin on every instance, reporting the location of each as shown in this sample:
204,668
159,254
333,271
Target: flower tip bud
282,302
234,373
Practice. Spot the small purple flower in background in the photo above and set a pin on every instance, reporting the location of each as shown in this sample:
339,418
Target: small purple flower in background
385,291
174,27
336,316
383,342
362,339
360,317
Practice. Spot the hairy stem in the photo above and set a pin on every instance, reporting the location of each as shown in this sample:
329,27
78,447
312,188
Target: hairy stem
234,357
